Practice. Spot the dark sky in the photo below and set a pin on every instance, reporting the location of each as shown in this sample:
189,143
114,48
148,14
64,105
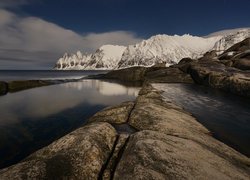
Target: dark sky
35,33
144,17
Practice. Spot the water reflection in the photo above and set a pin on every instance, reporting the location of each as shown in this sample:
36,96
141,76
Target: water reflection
104,87
46,101
33,118
225,114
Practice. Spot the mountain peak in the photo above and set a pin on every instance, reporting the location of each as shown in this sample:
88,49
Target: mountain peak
159,48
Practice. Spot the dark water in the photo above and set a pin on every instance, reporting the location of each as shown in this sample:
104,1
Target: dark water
34,118
9,75
227,116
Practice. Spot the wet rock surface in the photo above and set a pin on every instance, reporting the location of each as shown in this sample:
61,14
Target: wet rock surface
168,143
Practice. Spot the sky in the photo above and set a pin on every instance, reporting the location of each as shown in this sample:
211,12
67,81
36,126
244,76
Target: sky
35,33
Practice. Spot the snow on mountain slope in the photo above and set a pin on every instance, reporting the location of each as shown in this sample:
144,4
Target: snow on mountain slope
157,49
72,62
165,49
230,39
106,57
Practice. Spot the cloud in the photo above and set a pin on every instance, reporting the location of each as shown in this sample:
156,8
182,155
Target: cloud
12,3
43,42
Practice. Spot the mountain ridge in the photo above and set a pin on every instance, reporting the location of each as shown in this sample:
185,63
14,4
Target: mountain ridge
157,49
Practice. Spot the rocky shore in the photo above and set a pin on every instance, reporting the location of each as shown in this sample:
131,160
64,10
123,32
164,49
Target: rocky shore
146,139
15,86
229,71
150,138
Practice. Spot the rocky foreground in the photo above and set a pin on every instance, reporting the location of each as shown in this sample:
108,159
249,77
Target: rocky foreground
146,139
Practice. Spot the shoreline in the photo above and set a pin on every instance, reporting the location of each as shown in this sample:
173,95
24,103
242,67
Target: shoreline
166,141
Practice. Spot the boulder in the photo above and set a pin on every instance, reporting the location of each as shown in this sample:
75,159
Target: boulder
78,155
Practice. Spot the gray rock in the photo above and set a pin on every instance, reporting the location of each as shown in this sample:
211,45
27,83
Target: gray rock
128,74
152,113
168,75
155,155
219,76
78,155
173,145
115,114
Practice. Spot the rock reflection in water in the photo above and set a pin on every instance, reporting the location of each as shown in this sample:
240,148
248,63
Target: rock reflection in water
33,118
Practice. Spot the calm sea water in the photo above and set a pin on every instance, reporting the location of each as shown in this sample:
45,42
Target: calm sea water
10,75
33,118
226,115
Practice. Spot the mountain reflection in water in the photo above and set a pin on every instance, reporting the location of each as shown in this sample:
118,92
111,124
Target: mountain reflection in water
33,118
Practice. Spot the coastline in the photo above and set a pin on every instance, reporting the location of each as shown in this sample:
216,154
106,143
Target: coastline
166,142
149,138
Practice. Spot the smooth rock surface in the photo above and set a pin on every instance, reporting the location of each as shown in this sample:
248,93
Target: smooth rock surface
171,144
155,155
115,114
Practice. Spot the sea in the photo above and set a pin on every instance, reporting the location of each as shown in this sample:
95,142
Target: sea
12,75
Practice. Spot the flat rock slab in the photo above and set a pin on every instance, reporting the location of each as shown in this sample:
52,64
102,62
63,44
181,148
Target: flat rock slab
78,155
152,113
155,155
115,114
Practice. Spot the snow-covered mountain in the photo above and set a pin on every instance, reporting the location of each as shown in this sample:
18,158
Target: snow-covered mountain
157,49
106,57
165,49
230,39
